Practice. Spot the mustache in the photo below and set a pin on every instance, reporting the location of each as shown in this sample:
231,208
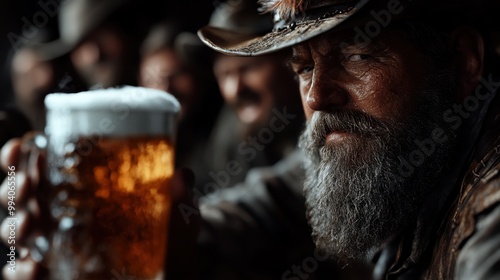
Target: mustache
344,120
247,96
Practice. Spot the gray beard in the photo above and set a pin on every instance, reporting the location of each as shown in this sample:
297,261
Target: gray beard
355,196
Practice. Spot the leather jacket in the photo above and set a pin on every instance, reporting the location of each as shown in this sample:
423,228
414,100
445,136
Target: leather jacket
457,235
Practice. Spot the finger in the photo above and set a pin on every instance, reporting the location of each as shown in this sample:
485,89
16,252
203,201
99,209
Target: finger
31,159
36,163
25,269
15,189
10,154
14,229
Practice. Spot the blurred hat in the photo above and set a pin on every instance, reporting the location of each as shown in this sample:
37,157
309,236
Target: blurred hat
173,34
296,21
77,18
238,18
163,34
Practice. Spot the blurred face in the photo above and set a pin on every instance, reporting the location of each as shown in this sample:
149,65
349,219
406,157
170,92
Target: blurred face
103,58
367,105
165,71
32,79
253,85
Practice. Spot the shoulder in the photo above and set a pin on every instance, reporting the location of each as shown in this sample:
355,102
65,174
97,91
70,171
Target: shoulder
485,183
479,256
479,194
479,221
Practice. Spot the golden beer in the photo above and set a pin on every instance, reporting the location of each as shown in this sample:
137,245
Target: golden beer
107,203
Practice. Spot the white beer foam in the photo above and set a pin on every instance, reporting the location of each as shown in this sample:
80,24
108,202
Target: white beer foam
111,112
135,98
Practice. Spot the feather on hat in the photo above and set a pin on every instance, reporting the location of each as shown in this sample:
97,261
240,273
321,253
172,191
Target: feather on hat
284,8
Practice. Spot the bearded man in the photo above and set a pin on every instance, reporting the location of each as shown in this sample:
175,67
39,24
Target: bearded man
402,142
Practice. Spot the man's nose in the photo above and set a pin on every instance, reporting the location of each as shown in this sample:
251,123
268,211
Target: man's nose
326,93
233,86
90,53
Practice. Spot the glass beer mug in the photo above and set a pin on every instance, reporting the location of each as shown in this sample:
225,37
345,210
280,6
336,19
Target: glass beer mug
106,205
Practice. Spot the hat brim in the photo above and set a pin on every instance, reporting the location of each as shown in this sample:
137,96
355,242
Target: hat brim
52,50
234,43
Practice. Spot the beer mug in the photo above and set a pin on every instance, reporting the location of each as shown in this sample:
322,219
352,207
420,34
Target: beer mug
106,205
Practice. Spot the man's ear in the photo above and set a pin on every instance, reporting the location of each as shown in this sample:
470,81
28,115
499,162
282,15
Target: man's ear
468,58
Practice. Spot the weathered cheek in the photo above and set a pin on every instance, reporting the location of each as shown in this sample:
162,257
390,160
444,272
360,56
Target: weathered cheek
375,102
379,95
403,88
367,90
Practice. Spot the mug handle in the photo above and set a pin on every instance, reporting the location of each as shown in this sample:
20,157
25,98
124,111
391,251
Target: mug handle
34,146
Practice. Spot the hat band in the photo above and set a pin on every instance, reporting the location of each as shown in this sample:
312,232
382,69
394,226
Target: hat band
315,13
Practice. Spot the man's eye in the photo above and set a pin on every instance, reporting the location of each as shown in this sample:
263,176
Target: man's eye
304,70
358,57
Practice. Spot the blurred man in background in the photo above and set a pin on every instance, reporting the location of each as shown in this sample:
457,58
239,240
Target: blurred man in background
34,77
170,63
262,117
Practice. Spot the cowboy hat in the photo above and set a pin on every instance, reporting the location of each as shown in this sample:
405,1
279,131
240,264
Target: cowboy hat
296,21
239,17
